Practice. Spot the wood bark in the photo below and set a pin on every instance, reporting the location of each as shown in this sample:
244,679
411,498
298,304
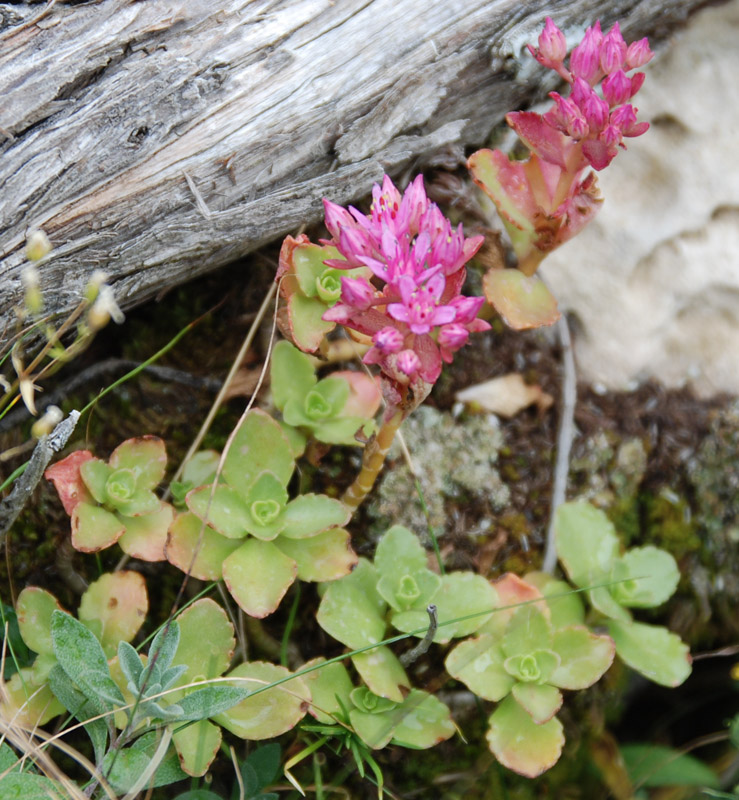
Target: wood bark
159,139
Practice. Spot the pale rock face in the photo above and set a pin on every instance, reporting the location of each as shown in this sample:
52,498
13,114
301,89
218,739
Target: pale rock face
654,279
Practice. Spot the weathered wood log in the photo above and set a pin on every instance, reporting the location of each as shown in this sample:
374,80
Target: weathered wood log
157,140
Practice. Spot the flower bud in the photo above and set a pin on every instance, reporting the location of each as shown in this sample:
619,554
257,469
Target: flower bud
388,340
585,58
453,336
638,54
552,43
613,51
595,112
617,88
37,246
408,362
357,292
466,308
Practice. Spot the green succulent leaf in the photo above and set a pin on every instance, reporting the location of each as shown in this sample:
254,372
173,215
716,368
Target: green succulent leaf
343,430
197,549
265,502
310,514
29,703
118,603
34,609
524,301
586,540
145,536
308,260
527,632
94,528
399,553
306,321
146,456
536,667
369,702
522,745
584,657
258,446
330,687
351,610
201,468
323,557
206,641
292,374
540,701
95,473
565,604
223,509
424,721
478,663
257,575
647,576
81,656
271,712
383,673
197,745
653,651
602,600
463,594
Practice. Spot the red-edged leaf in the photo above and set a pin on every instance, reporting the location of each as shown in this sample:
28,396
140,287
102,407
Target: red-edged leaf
523,301
505,182
539,137
65,475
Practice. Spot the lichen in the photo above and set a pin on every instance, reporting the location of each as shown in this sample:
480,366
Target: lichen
454,461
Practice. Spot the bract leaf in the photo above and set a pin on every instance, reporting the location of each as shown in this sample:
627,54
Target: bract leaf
65,475
310,514
258,446
478,663
540,701
145,455
652,650
206,641
34,609
351,610
257,575
223,509
647,577
586,540
504,181
330,687
81,656
522,745
383,673
271,712
118,601
585,657
323,557
145,537
189,536
197,746
292,374
540,137
523,301
94,528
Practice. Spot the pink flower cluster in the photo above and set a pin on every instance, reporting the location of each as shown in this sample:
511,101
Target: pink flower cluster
599,123
412,308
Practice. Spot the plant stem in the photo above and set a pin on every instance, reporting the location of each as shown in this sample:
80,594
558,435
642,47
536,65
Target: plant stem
374,458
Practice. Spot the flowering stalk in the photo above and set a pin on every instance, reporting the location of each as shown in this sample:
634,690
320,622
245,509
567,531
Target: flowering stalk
547,199
409,306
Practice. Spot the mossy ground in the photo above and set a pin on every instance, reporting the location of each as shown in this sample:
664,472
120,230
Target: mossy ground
663,464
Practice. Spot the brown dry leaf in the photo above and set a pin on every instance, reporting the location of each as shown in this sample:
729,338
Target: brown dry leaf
244,383
505,396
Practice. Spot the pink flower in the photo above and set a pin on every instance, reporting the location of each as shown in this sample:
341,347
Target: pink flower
617,88
552,46
638,54
585,58
613,51
417,260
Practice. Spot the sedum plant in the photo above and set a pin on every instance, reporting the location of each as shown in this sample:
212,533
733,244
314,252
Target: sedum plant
333,410
246,530
116,502
522,659
642,577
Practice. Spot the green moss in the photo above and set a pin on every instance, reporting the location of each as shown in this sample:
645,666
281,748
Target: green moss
669,523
